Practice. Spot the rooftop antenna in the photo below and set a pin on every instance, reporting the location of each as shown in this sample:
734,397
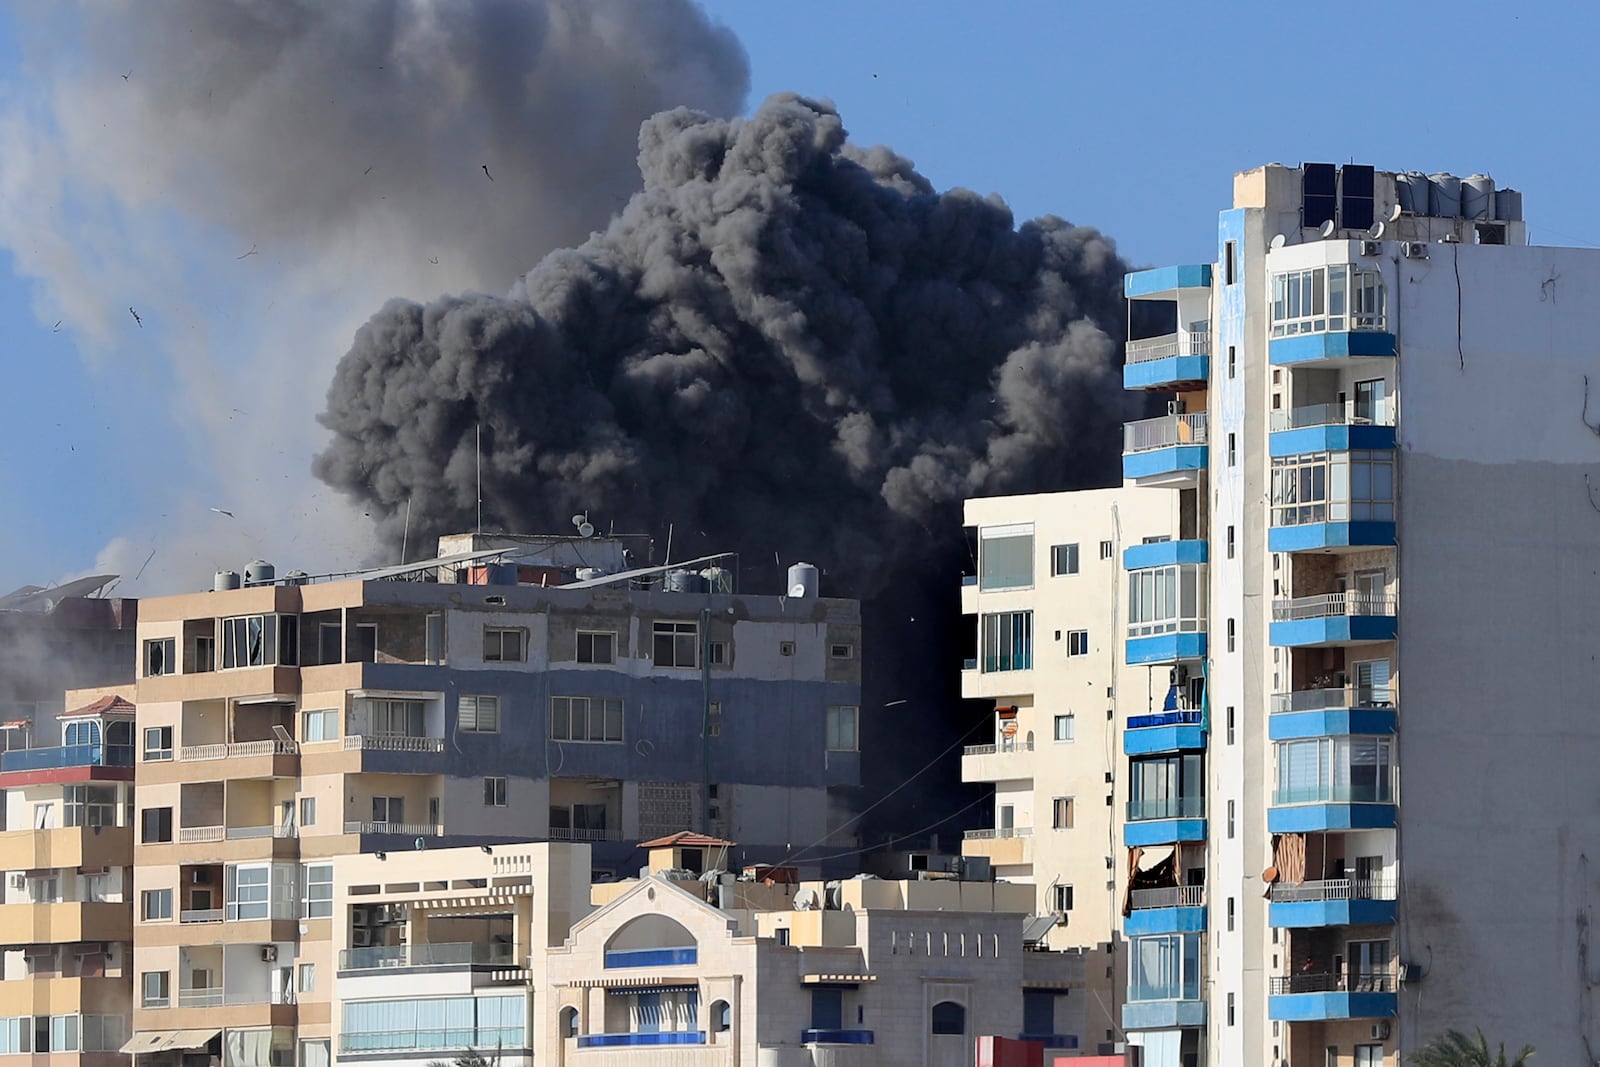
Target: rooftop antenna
479,450
405,534
669,544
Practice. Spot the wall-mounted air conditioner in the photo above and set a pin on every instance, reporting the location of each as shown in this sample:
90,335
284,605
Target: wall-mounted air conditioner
360,916
1372,248
360,937
1414,250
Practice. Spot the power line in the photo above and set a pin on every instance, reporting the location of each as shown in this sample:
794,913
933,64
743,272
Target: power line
904,837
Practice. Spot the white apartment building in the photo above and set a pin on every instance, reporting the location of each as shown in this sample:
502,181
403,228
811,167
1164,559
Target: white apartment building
1376,379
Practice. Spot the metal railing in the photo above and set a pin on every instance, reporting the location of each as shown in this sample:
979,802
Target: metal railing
999,832
1332,605
1167,346
217,997
1324,889
1334,698
44,759
1184,717
1328,793
1345,414
200,915
409,829
990,750
393,743
189,835
238,749
1331,981
245,833
1168,431
1167,808
574,833
449,954
1174,896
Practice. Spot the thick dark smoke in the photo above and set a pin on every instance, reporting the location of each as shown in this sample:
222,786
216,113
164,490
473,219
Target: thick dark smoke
784,343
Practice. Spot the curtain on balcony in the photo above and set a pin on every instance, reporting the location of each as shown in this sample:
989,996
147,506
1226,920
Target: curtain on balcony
247,1048
1288,860
1161,873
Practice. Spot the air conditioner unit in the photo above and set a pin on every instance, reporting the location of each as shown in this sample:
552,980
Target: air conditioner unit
1380,1031
19,881
360,916
360,937
1179,675
1174,407
269,953
1372,248
1414,250
383,913
1411,972
200,876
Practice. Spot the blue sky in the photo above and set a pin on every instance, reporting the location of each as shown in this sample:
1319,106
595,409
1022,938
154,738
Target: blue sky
118,439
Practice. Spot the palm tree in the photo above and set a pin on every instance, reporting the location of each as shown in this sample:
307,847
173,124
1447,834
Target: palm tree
1455,1049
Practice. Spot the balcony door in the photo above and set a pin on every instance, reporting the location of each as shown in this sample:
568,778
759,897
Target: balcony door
1372,403
1372,684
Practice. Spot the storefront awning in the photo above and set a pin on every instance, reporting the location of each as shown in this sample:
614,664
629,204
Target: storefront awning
148,1041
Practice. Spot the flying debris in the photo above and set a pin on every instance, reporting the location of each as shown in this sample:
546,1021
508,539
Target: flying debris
136,318
223,511
248,254
486,172
57,327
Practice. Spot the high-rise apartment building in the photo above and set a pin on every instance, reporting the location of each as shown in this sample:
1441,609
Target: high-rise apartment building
1376,378
284,723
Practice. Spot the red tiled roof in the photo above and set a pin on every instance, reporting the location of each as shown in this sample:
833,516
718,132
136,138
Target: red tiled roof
686,839
111,705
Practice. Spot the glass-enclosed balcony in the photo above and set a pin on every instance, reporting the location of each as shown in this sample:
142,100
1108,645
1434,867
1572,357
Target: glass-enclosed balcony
1166,610
1330,712
1169,450
1333,783
65,756
1333,619
1329,315
1164,982
1332,500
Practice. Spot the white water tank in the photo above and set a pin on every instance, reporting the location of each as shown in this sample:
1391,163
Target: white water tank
224,580
259,572
803,581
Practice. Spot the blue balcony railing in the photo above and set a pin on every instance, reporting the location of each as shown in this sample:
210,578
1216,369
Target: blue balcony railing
1166,718
836,1037
47,759
651,957
637,1040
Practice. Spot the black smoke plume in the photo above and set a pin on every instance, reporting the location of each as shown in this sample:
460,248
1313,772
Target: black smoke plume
786,344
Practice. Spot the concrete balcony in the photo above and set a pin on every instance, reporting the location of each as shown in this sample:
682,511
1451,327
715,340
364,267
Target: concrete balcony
1012,761
1171,1014
451,956
45,995
1331,712
1332,350
1332,902
1009,846
1166,731
1334,619
66,763
660,1039
1165,821
70,846
1172,361
1332,807
244,759
1327,993
1179,909
1170,450
43,924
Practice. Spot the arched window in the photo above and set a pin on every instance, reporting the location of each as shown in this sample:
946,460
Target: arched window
949,1018
86,732
119,733
569,1022
721,1016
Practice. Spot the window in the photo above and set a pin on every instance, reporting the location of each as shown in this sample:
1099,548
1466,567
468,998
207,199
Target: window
1165,600
248,891
494,792
1321,299
159,658
154,987
1061,813
1063,560
676,644
717,653
949,1018
1230,259
479,715
316,891
157,825
433,1023
1230,542
330,643
1230,635
393,718
1356,486
1230,913
595,646
157,744
1164,967
319,725
1368,1055
842,651
1107,549
308,978
1372,684
260,641
1005,556
1230,819
1233,449
1167,787
1339,770
1372,406
597,719
1077,642
155,905
1066,727
843,735
569,1021
781,935
504,646
1230,725
1230,1009
389,810
90,805
1007,641
1233,360
1063,898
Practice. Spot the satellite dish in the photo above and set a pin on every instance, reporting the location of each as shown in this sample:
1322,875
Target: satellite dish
579,520
1279,240
805,900
1327,229
585,529
1394,213
1378,229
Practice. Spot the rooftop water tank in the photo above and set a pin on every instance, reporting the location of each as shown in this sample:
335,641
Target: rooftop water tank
1411,192
1508,205
225,580
259,572
589,574
1477,197
296,578
1444,196
803,580
681,581
718,579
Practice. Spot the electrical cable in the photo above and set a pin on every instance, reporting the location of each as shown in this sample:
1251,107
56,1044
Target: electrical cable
903,837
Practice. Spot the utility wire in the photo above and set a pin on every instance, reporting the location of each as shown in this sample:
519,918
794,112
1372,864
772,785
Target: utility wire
904,837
